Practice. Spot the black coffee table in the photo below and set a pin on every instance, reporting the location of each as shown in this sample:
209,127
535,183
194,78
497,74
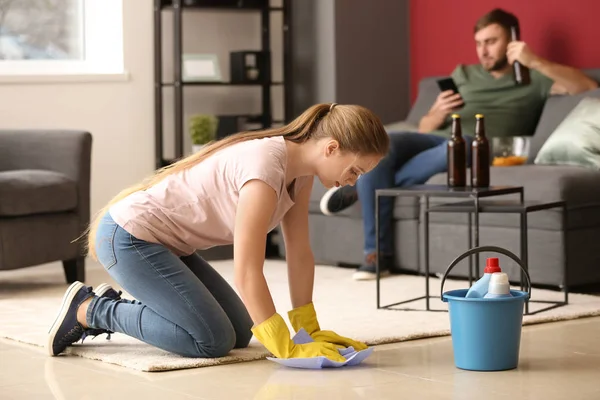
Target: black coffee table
426,192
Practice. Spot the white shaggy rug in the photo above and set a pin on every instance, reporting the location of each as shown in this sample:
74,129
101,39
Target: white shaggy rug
29,299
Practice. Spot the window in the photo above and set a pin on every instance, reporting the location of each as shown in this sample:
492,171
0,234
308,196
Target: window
61,37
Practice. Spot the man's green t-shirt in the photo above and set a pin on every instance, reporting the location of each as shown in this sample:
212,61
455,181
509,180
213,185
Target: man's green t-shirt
508,109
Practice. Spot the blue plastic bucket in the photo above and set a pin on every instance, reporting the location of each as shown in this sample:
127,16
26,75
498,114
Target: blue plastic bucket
486,333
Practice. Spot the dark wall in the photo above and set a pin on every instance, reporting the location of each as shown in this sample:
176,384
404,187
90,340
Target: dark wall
354,52
303,45
372,55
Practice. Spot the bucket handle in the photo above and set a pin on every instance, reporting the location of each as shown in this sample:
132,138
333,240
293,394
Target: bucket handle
481,249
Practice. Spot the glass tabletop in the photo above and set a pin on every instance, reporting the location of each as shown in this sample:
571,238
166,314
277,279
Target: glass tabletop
496,206
446,191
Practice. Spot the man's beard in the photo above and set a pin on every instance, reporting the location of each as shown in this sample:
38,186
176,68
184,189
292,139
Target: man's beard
499,65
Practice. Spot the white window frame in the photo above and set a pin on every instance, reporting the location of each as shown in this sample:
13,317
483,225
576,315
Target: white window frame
103,35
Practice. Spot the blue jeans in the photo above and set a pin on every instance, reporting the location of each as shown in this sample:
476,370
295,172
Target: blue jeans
413,159
184,306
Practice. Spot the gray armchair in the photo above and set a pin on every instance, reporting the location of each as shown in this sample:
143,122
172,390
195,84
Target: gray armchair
44,198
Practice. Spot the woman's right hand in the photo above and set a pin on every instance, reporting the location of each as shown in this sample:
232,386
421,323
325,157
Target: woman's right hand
256,205
275,336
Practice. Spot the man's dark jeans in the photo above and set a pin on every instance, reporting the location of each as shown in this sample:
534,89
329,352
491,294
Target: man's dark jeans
413,159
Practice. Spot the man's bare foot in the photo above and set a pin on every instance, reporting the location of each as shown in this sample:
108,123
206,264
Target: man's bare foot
82,312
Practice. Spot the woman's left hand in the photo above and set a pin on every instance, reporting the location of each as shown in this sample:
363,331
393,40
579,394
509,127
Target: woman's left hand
306,317
334,338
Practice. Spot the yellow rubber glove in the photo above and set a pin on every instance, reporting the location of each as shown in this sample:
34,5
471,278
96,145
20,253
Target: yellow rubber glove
306,317
275,336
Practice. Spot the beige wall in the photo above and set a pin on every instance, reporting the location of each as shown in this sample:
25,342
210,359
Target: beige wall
120,115
220,32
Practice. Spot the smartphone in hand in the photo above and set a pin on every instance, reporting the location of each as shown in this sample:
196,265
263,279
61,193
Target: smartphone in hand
449,84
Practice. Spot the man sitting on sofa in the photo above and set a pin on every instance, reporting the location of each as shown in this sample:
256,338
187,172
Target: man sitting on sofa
487,88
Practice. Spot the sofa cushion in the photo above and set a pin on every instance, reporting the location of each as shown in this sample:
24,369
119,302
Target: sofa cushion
593,73
579,187
576,141
29,191
401,126
555,111
428,93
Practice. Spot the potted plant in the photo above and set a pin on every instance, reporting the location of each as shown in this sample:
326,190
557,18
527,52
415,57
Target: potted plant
203,129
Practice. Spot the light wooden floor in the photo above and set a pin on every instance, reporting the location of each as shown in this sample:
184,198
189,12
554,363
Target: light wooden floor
558,361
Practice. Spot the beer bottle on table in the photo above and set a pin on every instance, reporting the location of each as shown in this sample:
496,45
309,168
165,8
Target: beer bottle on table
457,155
521,72
480,155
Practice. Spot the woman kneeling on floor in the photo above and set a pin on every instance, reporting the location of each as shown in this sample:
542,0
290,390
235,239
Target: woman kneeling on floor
234,191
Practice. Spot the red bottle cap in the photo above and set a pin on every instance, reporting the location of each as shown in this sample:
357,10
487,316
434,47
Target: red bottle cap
492,265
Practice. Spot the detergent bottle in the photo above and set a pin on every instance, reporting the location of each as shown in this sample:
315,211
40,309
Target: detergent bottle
499,286
480,288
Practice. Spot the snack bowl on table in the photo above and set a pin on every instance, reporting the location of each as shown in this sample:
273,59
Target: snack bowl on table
510,150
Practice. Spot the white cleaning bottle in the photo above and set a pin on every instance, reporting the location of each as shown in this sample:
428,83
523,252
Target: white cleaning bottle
499,286
480,288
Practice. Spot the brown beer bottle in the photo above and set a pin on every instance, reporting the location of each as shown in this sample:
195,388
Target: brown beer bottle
521,72
457,155
480,155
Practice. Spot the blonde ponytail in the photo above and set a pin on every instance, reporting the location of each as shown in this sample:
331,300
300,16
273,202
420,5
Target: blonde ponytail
356,128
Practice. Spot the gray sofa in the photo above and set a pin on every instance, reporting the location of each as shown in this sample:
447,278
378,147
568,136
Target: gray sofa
44,198
338,239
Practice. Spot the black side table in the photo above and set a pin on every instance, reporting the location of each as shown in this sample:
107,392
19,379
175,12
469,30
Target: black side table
508,207
425,192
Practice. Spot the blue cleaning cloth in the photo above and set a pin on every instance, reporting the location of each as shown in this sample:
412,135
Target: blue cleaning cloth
352,357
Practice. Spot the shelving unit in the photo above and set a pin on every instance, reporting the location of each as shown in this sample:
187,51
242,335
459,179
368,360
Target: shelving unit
178,7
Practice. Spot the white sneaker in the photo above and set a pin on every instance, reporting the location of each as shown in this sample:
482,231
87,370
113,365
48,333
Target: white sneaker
337,199
362,274
368,271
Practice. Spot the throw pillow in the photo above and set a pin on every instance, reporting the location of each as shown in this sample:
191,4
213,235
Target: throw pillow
576,140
